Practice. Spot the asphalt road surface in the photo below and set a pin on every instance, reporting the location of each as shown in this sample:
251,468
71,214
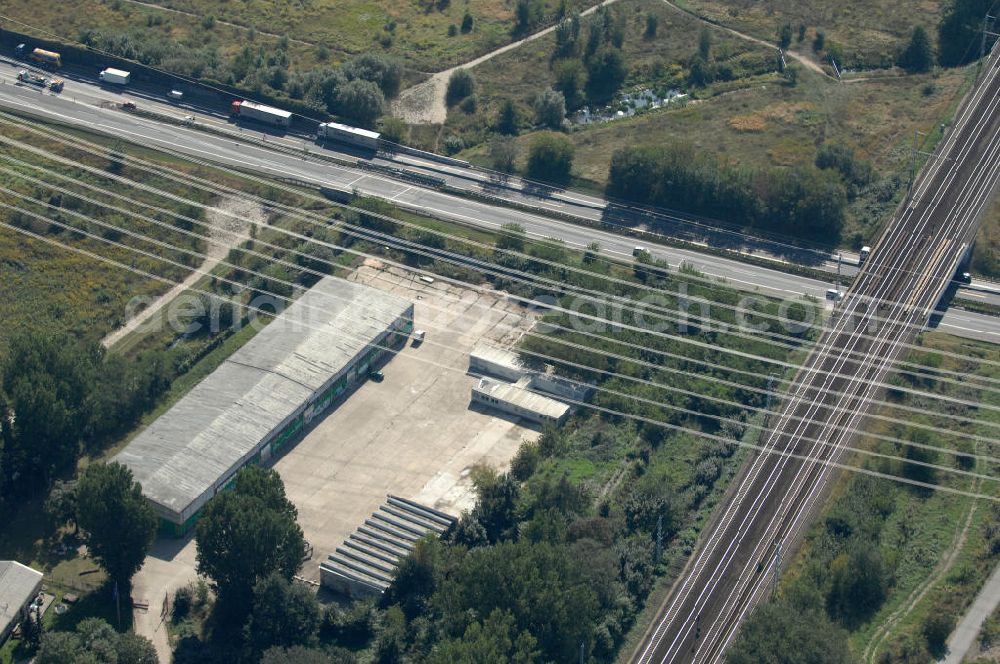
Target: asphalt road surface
80,104
772,504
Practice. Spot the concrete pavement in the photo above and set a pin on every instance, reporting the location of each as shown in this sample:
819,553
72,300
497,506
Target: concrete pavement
967,630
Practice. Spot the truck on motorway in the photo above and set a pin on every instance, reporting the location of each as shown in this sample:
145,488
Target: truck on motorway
261,113
114,76
361,138
39,55
31,78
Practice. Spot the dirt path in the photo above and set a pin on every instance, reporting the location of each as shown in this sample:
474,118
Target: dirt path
806,61
424,103
230,226
918,593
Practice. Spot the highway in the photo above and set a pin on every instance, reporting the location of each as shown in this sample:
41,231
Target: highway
773,502
85,105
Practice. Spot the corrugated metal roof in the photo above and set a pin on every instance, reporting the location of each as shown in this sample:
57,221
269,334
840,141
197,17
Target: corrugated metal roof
219,424
521,397
18,584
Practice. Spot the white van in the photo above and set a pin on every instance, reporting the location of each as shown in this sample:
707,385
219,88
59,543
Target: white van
834,294
418,337
176,95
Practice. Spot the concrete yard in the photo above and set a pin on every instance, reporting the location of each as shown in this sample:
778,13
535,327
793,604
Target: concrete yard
413,434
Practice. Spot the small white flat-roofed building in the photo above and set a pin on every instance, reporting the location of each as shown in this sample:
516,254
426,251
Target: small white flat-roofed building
497,362
262,396
19,585
519,401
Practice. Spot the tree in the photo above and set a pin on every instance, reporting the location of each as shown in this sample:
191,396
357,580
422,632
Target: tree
461,84
503,153
495,640
918,55
859,582
606,72
550,158
528,14
93,642
785,36
60,506
571,79
59,648
550,109
117,154
360,101
385,72
781,633
303,655
960,31
652,25
567,36
283,614
496,504
135,649
541,585
467,22
819,41
705,44
247,534
395,130
507,118
511,237
936,628
118,523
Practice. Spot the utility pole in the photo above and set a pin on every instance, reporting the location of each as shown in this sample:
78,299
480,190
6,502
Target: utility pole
659,538
772,378
987,24
777,568
837,284
913,157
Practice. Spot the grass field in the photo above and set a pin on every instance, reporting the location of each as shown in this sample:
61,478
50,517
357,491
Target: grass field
318,31
870,33
522,73
916,529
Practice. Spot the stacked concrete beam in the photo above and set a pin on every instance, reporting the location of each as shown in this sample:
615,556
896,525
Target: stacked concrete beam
364,565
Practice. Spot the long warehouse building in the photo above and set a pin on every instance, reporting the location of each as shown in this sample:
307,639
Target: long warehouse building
255,403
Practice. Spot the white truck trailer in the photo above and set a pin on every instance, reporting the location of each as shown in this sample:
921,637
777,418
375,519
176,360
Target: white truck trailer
362,138
115,76
267,114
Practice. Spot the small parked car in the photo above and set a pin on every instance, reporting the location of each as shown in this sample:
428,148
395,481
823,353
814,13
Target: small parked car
377,376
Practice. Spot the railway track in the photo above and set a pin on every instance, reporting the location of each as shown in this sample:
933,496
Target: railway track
893,296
